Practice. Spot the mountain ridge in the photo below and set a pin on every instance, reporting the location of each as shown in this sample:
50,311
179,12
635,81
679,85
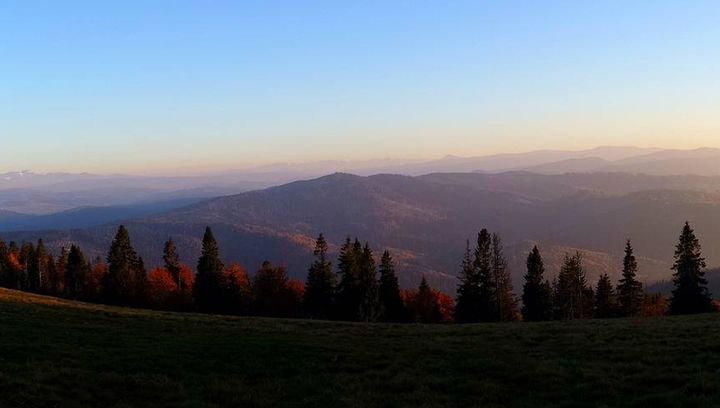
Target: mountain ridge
426,220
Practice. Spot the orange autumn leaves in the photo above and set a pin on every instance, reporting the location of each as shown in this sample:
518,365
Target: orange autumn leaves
168,292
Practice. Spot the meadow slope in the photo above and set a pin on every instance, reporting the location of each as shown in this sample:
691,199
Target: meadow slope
61,353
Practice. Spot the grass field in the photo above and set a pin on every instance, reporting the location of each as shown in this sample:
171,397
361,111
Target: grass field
58,353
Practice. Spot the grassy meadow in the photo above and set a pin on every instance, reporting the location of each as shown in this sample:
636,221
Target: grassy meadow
56,353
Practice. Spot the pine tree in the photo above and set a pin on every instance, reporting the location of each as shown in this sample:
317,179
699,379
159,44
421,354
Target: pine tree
140,291
467,305
26,275
123,274
690,294
320,285
4,270
391,304
537,302
573,298
368,287
57,278
77,270
630,294
40,268
487,305
505,303
208,291
348,288
92,284
605,305
172,262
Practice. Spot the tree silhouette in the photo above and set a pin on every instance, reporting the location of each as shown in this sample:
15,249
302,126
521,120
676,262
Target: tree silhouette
208,291
467,309
537,295
320,286
391,304
505,303
125,272
348,288
605,305
690,294
369,308
630,293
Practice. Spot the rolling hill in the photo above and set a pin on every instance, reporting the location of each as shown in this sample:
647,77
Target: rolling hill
425,221
70,354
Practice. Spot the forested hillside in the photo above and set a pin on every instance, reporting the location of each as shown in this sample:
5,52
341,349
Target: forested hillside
425,221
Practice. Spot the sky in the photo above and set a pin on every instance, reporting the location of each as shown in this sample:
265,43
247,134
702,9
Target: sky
161,86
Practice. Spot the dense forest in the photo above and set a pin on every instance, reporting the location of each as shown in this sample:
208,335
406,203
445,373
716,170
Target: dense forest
358,288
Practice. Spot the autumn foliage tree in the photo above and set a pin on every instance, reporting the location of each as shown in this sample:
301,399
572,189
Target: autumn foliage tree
273,295
362,294
237,291
161,288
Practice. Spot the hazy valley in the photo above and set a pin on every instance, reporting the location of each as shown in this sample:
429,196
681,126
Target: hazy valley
556,201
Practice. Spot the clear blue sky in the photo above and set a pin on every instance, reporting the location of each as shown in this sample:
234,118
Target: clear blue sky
145,86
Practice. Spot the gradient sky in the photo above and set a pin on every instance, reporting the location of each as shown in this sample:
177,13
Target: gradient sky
152,86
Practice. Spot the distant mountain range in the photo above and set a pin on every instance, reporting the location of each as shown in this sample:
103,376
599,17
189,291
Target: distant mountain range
425,220
702,161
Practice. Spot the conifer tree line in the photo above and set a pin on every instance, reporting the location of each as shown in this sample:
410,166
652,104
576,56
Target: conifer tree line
359,287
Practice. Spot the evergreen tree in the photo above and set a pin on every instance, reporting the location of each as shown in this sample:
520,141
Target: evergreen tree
92,284
391,304
537,302
57,279
209,290
368,286
348,288
140,289
605,305
468,292
4,270
40,268
505,303
573,297
172,262
120,286
630,293
77,269
320,285
487,305
690,294
27,260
